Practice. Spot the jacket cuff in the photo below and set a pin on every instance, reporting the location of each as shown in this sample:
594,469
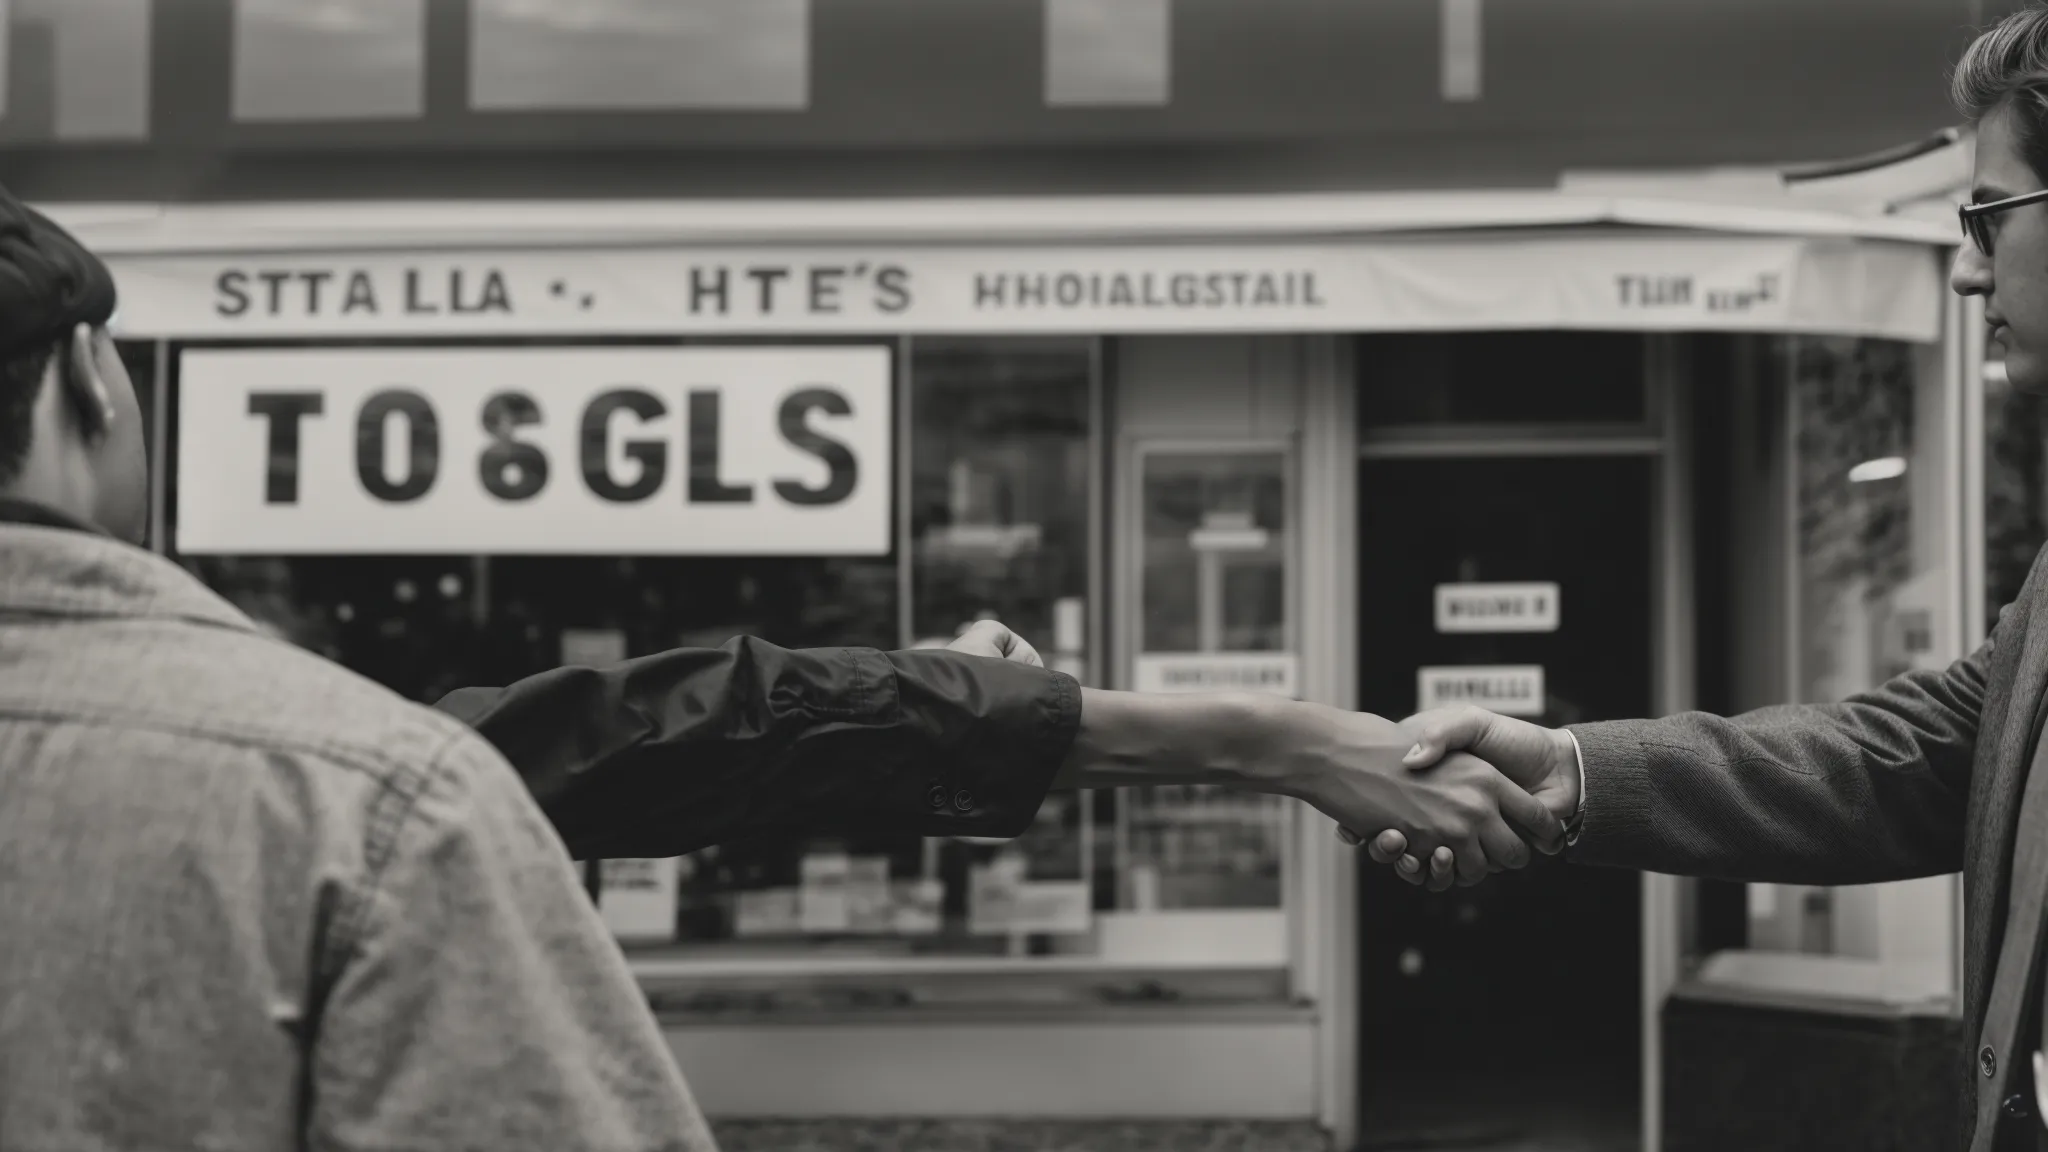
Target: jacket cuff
1614,800
988,776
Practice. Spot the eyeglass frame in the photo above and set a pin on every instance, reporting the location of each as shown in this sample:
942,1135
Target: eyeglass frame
1974,217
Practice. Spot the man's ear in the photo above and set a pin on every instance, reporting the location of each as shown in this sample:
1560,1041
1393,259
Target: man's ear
78,374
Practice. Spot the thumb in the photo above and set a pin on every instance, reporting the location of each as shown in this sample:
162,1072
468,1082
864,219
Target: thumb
1444,731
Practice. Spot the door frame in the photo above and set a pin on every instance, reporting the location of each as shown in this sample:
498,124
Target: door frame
1330,495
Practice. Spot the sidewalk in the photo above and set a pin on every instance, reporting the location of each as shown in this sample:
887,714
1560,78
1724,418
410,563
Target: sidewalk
1017,1136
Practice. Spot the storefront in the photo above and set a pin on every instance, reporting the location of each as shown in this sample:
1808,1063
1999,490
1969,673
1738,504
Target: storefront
1381,451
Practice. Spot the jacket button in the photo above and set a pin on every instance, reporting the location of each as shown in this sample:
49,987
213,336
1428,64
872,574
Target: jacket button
963,801
2016,1106
937,796
1988,1061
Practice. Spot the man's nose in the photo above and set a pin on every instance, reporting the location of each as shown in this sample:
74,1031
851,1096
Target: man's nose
1970,274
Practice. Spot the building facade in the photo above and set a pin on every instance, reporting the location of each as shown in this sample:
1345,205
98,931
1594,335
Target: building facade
1278,348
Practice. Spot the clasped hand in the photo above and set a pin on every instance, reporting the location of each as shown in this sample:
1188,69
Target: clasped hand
1544,761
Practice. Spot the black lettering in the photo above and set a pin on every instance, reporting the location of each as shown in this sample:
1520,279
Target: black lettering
1031,290
361,295
1237,280
1212,291
768,278
652,455
1068,289
1267,293
717,288
794,418
274,281
313,282
1311,295
1151,293
1625,286
1120,292
706,486
413,304
424,443
988,290
283,410
892,288
495,296
825,289
511,468
1187,291
231,293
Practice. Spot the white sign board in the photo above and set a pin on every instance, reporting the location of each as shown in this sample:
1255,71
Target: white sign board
638,898
1654,281
1510,689
1497,608
1276,672
565,451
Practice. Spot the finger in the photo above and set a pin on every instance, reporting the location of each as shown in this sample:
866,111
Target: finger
1446,730
1349,837
1533,819
1411,870
1020,651
1505,851
1472,864
1442,870
1389,846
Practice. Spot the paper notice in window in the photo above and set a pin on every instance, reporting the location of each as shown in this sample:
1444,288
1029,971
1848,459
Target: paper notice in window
823,900
1511,690
638,898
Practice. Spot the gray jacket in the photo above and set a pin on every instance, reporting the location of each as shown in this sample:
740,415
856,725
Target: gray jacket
1920,777
249,900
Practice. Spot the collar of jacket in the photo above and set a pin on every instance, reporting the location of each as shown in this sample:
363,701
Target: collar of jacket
54,565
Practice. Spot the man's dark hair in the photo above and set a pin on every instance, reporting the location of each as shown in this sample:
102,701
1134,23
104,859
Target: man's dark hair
49,284
2007,67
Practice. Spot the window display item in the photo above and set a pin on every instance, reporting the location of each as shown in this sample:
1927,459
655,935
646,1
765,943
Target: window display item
638,899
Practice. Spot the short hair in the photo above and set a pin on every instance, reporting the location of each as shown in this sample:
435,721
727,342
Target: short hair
2007,66
49,284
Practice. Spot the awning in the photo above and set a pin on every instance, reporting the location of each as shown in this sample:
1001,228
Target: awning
1111,265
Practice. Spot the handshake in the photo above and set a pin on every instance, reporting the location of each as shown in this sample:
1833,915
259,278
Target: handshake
1469,792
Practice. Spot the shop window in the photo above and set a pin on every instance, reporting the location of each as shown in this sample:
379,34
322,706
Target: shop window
1410,380
74,70
1214,614
329,59
1872,599
1002,489
544,55
1108,52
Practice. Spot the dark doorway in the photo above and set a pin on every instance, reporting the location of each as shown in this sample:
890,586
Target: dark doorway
1506,1015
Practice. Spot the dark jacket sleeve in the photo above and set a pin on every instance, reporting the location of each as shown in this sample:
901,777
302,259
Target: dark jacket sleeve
1868,790
667,754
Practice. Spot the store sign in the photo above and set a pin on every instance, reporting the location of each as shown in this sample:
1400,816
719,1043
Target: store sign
569,451
1511,690
1473,608
1654,281
1276,672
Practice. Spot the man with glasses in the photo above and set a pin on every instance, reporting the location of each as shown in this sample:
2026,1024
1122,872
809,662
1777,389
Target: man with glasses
1934,772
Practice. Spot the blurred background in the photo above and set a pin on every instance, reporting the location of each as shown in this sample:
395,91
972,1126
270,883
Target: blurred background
1582,359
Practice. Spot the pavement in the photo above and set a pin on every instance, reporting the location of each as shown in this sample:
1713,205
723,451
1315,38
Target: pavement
1017,1136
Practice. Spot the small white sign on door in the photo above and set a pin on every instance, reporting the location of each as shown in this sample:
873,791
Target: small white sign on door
1497,608
1509,689
1274,672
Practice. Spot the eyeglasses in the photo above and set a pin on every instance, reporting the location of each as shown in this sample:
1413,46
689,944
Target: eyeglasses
1976,218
